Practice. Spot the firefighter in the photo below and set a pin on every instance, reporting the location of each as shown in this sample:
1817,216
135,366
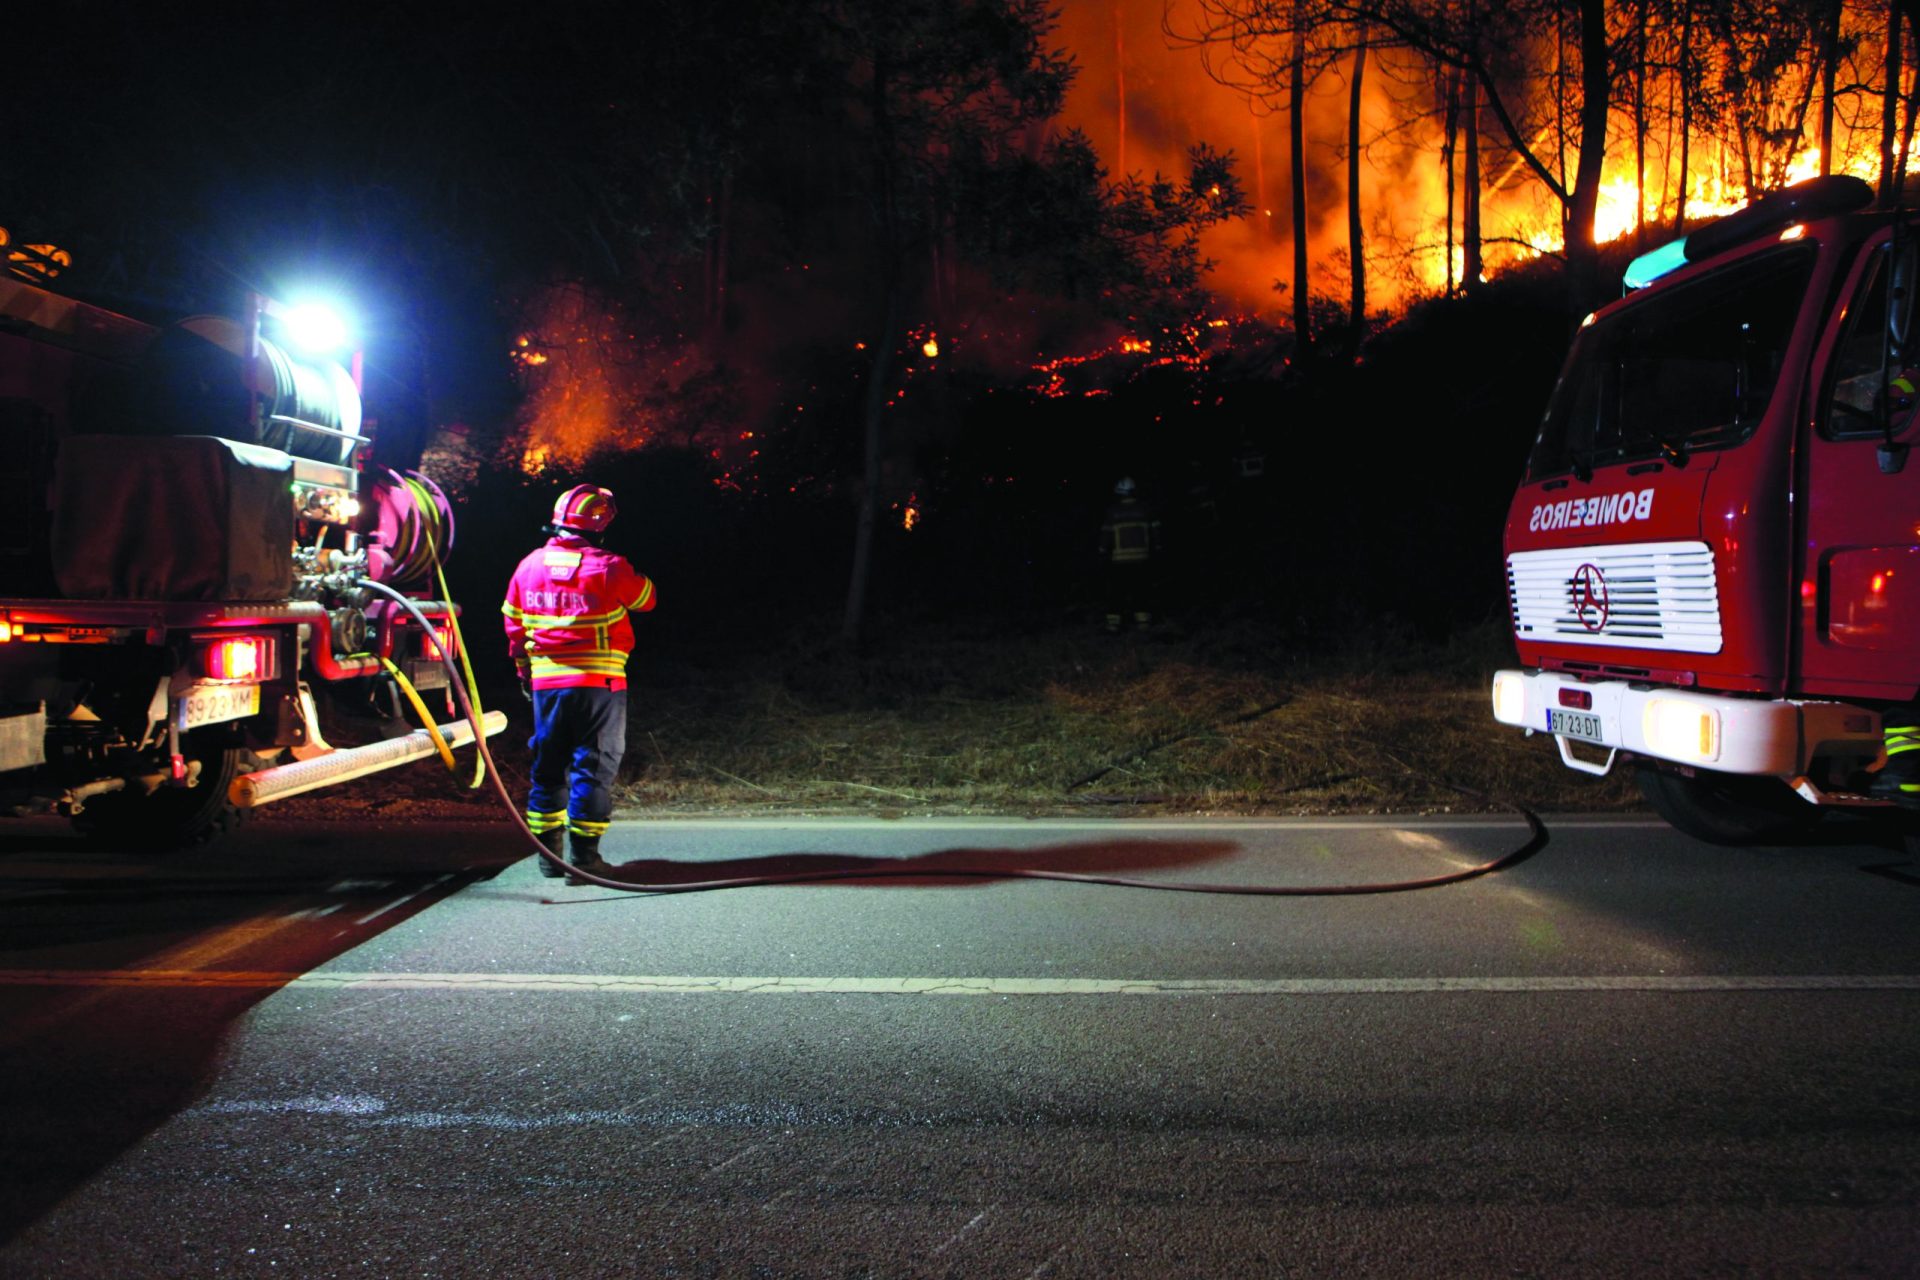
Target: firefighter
567,629
1129,552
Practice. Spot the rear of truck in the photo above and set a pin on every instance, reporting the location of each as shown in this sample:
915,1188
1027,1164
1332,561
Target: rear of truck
187,537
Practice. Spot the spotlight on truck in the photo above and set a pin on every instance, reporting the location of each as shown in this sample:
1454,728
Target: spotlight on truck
315,329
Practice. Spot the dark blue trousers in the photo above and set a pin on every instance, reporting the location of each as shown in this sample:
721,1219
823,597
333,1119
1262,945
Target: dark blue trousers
579,736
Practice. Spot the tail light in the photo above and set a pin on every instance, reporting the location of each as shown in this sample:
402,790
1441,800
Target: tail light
6,628
247,659
439,642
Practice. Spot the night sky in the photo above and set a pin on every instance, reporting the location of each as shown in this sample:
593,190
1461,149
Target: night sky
652,243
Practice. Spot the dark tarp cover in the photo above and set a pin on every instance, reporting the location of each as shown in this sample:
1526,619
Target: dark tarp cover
172,518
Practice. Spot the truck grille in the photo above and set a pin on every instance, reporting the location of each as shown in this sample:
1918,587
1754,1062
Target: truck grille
1644,595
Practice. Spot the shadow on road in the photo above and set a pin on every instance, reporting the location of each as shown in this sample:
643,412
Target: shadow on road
963,867
89,1064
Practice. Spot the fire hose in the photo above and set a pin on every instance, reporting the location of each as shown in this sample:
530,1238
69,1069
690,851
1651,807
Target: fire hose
1537,837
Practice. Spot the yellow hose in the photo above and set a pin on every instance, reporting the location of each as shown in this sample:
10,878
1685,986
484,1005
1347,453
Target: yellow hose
453,615
426,717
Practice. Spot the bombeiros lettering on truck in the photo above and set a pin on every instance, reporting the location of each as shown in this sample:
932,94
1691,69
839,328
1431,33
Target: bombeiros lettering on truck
1713,557
1614,508
208,570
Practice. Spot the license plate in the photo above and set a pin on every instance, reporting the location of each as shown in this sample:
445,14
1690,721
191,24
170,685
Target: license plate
1583,725
216,703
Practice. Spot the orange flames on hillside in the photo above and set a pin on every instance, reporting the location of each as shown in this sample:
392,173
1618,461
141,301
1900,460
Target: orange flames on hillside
1143,99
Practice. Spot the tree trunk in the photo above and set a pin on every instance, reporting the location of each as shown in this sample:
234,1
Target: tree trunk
1356,239
1296,111
1640,124
1667,117
1890,103
1470,264
879,375
1829,64
1447,152
1119,96
1560,91
1262,211
1582,255
853,625
1686,113
1906,131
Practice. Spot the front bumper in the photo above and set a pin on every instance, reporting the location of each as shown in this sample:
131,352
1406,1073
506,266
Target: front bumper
1761,736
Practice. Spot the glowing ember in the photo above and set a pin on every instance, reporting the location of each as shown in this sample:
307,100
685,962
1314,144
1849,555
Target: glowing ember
930,348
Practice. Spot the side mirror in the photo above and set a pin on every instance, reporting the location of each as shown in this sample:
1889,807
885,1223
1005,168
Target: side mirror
1906,266
1903,269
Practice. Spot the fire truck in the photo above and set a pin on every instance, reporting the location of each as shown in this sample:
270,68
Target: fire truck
192,546
1713,558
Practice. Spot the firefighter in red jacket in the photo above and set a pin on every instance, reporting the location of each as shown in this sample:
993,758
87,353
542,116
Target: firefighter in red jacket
566,617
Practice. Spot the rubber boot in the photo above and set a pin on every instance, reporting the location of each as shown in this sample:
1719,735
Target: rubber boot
556,844
586,857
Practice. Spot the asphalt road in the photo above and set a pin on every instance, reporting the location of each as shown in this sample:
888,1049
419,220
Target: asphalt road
323,1051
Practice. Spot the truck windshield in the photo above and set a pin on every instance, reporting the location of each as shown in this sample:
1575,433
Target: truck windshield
1688,369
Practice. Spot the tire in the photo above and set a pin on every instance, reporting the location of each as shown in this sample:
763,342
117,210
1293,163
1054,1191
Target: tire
1726,808
171,818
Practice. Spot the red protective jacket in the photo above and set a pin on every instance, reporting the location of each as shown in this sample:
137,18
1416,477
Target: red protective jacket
566,614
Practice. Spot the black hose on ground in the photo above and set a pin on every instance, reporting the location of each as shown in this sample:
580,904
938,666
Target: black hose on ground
1537,840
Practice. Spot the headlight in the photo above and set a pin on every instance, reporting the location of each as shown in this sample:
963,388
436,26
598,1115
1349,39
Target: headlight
1676,729
1510,697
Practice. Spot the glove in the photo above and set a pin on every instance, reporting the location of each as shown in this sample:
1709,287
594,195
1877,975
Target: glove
526,681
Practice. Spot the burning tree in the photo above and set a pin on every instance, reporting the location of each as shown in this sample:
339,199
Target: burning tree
1563,124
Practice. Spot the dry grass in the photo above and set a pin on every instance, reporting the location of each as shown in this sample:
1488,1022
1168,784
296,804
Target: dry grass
1066,721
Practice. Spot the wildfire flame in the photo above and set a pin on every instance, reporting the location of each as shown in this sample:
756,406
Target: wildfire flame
1142,100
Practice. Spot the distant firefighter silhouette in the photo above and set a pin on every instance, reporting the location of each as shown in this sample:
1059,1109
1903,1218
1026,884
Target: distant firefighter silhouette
1130,553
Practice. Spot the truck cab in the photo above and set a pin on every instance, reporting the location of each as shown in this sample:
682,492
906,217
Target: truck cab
1713,557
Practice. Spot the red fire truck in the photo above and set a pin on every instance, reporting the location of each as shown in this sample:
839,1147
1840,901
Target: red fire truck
1713,560
192,543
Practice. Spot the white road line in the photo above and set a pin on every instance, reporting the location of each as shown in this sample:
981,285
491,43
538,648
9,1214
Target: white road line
667,984
403,898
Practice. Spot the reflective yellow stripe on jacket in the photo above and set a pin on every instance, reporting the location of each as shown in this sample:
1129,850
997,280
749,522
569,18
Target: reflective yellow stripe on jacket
534,621
594,662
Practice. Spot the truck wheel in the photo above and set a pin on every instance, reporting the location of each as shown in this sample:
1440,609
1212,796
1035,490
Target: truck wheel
1726,808
172,817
